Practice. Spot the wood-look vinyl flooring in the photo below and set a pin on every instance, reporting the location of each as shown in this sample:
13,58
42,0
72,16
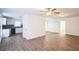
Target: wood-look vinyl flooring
50,42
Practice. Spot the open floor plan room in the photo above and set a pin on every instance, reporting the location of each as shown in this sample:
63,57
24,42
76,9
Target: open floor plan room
39,29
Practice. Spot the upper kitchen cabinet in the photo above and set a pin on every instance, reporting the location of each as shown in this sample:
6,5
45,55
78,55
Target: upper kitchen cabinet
3,21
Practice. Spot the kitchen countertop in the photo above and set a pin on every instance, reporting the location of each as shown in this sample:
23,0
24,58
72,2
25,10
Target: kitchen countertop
10,26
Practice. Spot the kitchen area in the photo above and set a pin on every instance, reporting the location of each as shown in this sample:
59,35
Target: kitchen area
11,26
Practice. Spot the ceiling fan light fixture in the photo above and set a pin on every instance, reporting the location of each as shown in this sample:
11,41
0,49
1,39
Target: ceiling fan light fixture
48,13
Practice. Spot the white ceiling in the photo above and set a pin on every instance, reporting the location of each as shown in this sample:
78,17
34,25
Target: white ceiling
22,11
71,12
18,12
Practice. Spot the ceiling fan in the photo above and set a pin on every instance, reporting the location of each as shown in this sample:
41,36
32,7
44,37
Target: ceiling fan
50,11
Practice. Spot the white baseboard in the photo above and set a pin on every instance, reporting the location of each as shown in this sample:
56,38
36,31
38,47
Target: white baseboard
73,34
36,36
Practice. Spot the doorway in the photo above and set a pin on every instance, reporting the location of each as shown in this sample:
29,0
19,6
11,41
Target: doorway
62,27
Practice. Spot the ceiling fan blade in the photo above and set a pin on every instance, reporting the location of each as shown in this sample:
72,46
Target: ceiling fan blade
56,12
49,9
54,9
43,11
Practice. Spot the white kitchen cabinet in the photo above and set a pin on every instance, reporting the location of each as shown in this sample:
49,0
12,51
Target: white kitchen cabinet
18,30
5,33
3,21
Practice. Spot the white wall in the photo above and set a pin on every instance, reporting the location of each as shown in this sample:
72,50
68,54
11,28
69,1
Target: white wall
72,26
33,26
53,24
